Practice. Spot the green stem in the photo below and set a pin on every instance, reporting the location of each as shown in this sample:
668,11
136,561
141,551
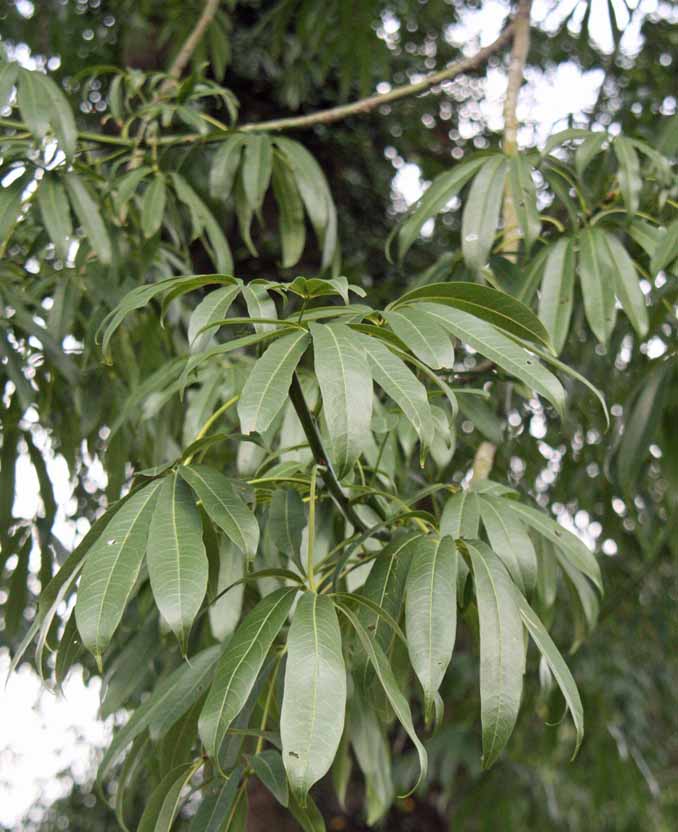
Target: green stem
212,419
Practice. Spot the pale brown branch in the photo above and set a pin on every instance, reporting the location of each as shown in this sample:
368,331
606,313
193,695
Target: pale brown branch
190,44
365,105
483,461
519,50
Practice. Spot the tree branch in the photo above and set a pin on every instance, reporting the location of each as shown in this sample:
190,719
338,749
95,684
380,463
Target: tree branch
190,44
519,50
321,457
365,105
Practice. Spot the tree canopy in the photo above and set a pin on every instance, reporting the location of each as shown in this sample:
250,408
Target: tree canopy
373,504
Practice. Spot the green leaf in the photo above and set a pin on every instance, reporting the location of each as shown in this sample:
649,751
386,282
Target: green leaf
483,418
214,812
291,214
34,102
315,194
177,560
626,283
153,207
13,608
524,197
573,548
372,752
502,651
224,506
129,669
346,387
112,568
557,291
666,250
314,698
259,305
504,352
557,665
89,217
213,307
642,415
56,213
240,665
461,516
497,308
267,386
438,194
563,136
8,76
126,187
597,283
170,700
428,341
286,521
481,212
11,199
587,151
387,679
401,385
224,167
69,651
509,540
61,116
165,800
203,219
256,169
269,768
431,612
628,173
224,613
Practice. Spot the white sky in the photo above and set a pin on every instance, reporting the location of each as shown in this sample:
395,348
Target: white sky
43,734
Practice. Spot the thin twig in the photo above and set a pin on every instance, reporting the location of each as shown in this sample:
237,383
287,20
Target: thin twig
320,455
185,54
365,105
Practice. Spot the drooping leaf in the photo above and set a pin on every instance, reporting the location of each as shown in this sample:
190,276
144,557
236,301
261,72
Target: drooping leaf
269,768
481,212
597,283
628,173
557,665
372,752
627,284
431,612
165,800
212,308
286,521
56,213
177,561
266,388
524,196
290,212
576,551
168,702
225,167
256,168
666,249
502,651
497,308
214,812
314,698
224,613
153,208
346,388
500,349
587,151
428,341
240,665
439,193
401,385
34,103
111,570
224,506
387,679
89,216
557,291
509,540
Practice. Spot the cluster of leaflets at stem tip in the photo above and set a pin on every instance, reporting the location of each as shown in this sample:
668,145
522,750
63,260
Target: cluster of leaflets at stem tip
307,620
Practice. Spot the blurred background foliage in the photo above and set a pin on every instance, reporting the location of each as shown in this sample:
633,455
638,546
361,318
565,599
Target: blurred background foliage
288,56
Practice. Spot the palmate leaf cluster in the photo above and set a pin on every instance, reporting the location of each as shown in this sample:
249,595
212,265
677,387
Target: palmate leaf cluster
284,565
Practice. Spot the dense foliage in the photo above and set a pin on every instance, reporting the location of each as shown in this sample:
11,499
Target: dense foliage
356,459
